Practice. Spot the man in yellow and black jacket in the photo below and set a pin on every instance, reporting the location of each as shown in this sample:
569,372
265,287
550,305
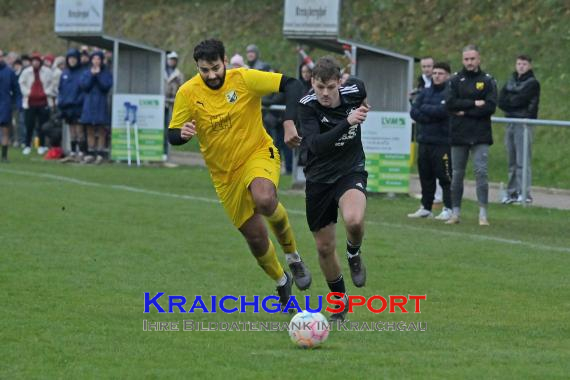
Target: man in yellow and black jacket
471,100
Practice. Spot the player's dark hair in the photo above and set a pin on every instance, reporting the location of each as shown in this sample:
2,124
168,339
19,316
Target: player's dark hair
442,65
209,50
525,57
326,68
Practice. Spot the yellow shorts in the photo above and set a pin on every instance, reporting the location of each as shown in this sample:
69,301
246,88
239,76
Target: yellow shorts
235,195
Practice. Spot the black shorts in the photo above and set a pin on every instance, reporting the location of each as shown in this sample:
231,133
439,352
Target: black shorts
321,199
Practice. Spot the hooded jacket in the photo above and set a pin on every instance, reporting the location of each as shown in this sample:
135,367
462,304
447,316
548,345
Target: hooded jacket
520,96
96,88
9,93
70,94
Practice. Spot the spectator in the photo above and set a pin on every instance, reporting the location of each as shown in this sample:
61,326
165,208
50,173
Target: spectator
19,127
253,60
173,78
434,152
10,58
472,99
108,58
236,62
96,83
519,98
344,77
57,69
424,80
273,123
305,74
70,103
48,61
37,98
17,67
172,82
85,58
9,94
26,61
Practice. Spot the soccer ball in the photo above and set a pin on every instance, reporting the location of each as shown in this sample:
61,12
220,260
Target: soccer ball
308,330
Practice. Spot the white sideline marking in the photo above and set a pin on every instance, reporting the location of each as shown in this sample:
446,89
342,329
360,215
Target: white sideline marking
290,211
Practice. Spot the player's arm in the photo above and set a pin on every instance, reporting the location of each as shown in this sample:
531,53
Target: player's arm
320,143
293,90
487,106
453,101
264,83
181,130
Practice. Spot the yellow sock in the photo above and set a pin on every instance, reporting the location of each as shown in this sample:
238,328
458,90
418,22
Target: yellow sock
270,264
279,223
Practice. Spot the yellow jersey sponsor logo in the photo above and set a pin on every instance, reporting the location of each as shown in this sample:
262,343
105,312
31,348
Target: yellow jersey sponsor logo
231,96
480,85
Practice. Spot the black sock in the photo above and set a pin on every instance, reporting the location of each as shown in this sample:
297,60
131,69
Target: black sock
74,146
83,147
337,285
4,152
352,248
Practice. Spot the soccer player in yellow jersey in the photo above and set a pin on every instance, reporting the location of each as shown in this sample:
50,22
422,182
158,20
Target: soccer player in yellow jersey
223,109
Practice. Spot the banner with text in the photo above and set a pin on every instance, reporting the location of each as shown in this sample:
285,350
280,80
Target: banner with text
315,18
386,138
79,16
146,114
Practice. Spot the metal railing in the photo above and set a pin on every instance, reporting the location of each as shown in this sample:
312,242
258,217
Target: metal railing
504,120
525,124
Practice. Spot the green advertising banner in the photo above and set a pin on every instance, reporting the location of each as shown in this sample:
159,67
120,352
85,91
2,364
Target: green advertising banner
143,115
386,140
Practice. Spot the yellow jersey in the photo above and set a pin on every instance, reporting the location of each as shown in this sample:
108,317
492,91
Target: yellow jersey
228,120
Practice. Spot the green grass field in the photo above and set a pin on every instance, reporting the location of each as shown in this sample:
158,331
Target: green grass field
81,244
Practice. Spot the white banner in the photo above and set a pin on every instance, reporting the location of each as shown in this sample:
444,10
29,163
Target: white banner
311,18
143,113
149,110
79,16
387,132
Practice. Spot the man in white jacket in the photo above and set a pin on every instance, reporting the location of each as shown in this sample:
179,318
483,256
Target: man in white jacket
36,84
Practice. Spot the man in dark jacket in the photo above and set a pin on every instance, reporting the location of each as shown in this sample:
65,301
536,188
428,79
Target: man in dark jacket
434,161
9,94
425,79
471,100
519,98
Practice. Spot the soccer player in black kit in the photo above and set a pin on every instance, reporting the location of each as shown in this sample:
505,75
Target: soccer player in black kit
330,116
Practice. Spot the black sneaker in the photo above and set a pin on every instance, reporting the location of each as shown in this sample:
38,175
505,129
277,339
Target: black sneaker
340,317
284,292
357,270
301,275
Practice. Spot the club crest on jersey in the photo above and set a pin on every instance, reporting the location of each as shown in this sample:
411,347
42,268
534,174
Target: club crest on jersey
231,96
480,85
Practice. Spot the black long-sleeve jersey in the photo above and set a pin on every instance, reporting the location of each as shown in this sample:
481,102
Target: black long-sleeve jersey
334,146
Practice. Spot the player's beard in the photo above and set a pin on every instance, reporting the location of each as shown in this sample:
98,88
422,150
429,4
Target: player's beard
217,83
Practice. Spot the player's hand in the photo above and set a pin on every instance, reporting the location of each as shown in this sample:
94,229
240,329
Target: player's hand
188,130
292,138
358,115
479,103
